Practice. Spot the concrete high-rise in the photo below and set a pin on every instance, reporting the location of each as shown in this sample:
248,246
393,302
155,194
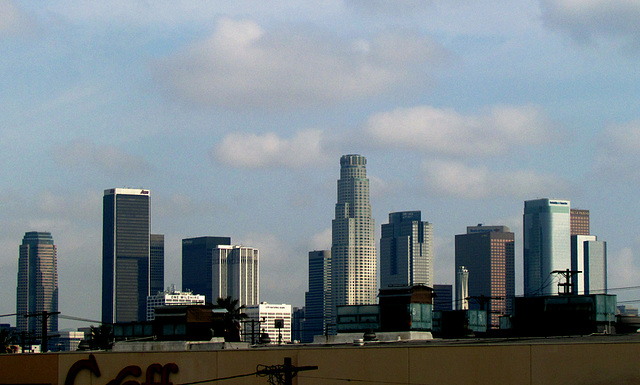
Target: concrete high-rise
547,244
589,258
462,288
37,289
353,248
488,254
318,309
406,251
125,254
156,263
197,265
236,274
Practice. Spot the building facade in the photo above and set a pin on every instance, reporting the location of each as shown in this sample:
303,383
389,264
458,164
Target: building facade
547,244
37,289
353,248
317,301
589,261
275,320
171,297
579,222
406,251
462,288
488,255
156,263
443,297
236,274
125,254
197,265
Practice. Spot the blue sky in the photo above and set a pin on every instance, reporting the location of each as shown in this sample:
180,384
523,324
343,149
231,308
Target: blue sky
235,116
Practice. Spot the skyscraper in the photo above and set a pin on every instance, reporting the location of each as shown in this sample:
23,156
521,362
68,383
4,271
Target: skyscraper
317,301
579,222
197,265
156,263
236,274
488,254
462,288
353,248
589,258
37,289
547,244
406,251
443,297
125,254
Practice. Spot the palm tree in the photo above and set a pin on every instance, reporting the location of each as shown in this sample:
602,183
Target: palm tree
232,318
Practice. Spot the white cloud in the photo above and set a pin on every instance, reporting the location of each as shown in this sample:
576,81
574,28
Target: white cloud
257,151
243,65
457,179
12,19
587,19
446,131
82,155
618,156
623,269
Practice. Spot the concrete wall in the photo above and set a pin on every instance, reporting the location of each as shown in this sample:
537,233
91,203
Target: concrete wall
536,363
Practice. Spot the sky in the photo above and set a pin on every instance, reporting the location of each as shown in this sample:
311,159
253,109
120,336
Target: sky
235,114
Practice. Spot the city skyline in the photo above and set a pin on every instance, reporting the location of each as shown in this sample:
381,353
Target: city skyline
234,115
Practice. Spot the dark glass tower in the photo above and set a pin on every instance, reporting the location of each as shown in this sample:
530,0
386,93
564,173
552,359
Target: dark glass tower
125,254
317,301
37,289
406,251
197,264
156,259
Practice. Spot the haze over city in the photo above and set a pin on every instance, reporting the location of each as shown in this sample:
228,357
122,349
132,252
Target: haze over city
234,116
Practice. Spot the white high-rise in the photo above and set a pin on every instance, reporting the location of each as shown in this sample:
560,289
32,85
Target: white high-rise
462,288
547,244
353,248
236,274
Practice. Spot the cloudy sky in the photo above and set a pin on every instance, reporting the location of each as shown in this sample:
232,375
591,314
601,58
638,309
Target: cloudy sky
234,116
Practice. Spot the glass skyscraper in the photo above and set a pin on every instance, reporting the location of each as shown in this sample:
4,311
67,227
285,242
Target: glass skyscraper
547,244
156,264
197,265
125,255
406,251
318,309
37,289
353,248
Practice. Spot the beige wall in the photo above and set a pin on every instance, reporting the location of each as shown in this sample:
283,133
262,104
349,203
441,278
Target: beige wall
532,364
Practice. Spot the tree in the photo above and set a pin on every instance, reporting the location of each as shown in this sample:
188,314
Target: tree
8,340
231,318
100,338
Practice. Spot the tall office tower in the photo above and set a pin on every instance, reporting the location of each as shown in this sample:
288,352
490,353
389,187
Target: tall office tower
589,257
443,297
406,251
353,247
462,288
236,274
197,265
125,254
37,289
579,222
547,244
317,301
488,253
156,263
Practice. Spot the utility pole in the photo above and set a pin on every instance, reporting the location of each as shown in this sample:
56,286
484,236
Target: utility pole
45,323
283,374
568,280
